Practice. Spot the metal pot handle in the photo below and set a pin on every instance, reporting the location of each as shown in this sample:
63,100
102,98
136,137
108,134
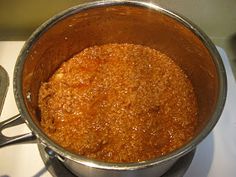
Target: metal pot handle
24,138
16,120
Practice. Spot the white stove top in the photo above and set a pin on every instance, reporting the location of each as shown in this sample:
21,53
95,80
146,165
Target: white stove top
215,156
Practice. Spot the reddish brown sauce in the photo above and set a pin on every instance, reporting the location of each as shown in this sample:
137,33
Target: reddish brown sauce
119,103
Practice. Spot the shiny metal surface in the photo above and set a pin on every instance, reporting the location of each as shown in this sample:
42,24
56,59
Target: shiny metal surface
5,140
16,120
57,169
122,22
11,122
215,18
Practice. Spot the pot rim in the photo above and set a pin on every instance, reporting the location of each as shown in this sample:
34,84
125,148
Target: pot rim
17,88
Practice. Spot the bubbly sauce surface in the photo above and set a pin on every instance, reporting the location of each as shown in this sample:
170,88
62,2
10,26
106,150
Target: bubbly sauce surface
119,103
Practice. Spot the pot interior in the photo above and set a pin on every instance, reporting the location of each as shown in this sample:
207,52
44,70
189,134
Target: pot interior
68,34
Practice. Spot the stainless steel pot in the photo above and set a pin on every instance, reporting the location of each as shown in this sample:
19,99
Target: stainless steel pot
116,22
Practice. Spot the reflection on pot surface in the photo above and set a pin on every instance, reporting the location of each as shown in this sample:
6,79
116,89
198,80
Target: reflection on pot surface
100,23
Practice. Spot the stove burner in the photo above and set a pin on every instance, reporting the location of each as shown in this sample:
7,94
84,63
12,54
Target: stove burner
57,169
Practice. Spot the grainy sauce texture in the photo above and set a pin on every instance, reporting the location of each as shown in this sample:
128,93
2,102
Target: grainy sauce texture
119,103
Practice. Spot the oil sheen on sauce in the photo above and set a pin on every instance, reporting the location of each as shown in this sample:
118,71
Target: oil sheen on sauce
119,103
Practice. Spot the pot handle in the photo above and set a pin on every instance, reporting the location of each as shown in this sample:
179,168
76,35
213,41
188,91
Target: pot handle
16,120
24,138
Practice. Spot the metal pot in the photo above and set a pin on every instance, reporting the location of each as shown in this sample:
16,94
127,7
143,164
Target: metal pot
104,22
